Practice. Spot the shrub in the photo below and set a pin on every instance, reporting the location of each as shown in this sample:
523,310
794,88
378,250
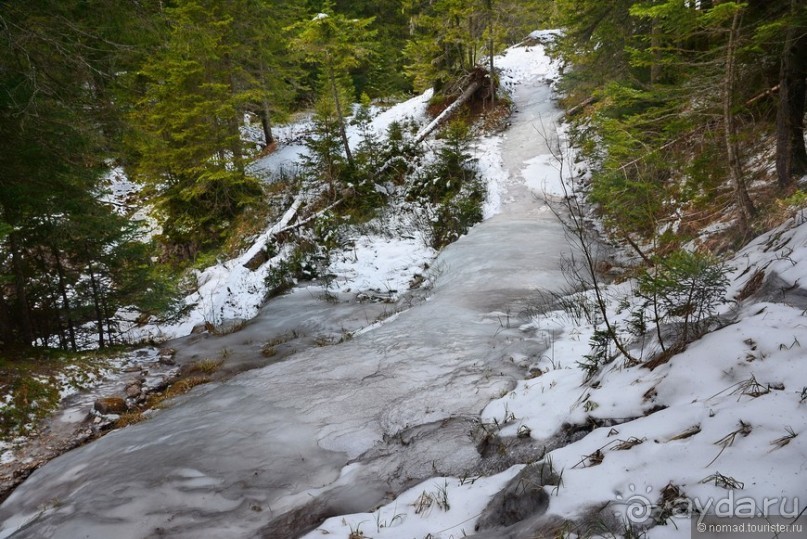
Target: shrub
683,291
452,186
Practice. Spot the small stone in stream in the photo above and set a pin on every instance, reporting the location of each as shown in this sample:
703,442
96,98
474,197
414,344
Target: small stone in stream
133,390
110,405
132,368
523,497
196,330
142,353
167,356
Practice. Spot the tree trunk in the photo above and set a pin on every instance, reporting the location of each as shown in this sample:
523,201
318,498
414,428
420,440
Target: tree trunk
266,114
266,124
234,123
23,309
746,206
791,155
6,333
446,114
491,43
96,301
108,317
65,301
338,104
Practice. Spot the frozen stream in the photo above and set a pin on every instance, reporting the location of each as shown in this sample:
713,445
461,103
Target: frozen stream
332,429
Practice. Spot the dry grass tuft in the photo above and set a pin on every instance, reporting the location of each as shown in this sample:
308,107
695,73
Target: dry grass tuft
205,366
131,417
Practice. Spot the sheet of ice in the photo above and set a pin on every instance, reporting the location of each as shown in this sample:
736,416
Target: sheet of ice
279,439
729,409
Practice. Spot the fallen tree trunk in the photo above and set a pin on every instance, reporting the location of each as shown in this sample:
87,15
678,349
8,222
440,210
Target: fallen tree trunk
580,106
446,114
257,253
259,256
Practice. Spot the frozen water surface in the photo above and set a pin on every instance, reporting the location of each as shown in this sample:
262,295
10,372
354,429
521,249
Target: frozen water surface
334,429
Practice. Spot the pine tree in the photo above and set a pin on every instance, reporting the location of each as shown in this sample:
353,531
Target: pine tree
190,151
791,155
336,44
55,118
452,37
265,70
384,76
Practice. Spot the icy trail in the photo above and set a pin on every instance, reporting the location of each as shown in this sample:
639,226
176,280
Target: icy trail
336,429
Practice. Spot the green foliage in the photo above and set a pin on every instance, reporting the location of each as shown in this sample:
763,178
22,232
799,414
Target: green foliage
449,38
63,252
601,353
31,399
796,200
668,101
189,144
334,41
5,230
325,161
683,292
452,186
384,76
304,263
336,45
455,217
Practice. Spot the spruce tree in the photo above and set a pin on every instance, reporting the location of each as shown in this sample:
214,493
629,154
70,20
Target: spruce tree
55,120
191,155
336,45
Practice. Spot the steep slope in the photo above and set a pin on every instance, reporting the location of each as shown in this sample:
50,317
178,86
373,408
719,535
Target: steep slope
276,450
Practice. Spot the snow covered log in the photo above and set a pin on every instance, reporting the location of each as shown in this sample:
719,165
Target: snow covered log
257,253
446,114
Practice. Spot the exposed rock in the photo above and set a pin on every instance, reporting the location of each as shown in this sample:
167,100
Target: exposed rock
523,497
133,390
228,325
259,259
200,328
166,356
110,405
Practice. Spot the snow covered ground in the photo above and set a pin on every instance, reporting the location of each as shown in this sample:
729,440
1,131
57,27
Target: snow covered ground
378,262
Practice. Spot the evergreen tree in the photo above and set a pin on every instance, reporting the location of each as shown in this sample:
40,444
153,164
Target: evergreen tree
336,45
266,71
384,76
452,37
791,155
673,94
55,118
189,143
